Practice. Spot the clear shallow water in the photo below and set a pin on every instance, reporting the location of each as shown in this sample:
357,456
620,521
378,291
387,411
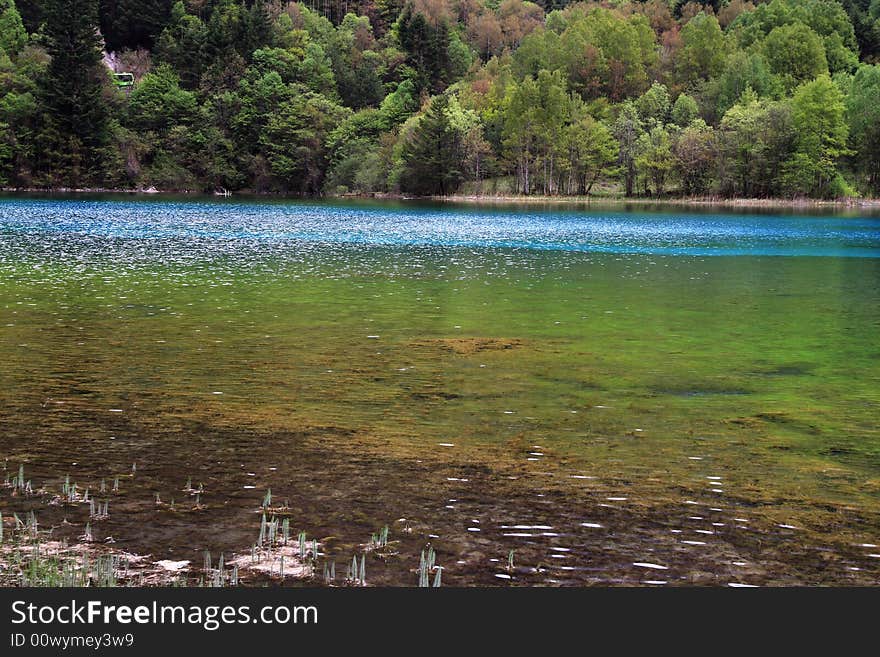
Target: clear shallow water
591,389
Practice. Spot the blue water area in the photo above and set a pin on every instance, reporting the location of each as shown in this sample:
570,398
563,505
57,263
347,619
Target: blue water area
399,224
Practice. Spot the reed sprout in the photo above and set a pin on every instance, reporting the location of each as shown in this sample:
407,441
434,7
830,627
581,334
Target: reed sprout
273,531
379,540
427,565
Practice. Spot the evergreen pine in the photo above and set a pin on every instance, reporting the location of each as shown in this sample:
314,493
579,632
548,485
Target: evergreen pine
426,45
75,132
13,36
432,162
131,24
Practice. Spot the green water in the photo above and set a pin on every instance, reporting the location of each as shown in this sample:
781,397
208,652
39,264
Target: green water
709,405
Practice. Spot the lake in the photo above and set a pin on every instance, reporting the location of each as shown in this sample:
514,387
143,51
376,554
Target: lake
618,397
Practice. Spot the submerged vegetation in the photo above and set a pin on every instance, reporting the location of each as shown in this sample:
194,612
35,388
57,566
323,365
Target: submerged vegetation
663,97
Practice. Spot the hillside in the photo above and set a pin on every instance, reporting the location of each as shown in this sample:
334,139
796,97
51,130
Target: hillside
426,97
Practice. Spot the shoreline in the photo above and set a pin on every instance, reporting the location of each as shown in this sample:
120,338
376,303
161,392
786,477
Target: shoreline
692,201
682,201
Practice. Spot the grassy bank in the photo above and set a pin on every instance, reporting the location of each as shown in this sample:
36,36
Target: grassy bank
672,201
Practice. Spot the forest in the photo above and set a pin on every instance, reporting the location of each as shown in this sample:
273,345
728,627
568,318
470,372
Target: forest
662,98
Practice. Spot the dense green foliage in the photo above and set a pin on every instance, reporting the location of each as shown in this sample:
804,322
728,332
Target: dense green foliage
781,98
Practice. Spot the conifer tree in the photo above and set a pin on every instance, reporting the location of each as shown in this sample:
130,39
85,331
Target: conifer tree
433,163
12,33
30,13
131,24
75,132
426,45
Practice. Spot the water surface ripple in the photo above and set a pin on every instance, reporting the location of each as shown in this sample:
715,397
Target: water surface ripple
669,233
